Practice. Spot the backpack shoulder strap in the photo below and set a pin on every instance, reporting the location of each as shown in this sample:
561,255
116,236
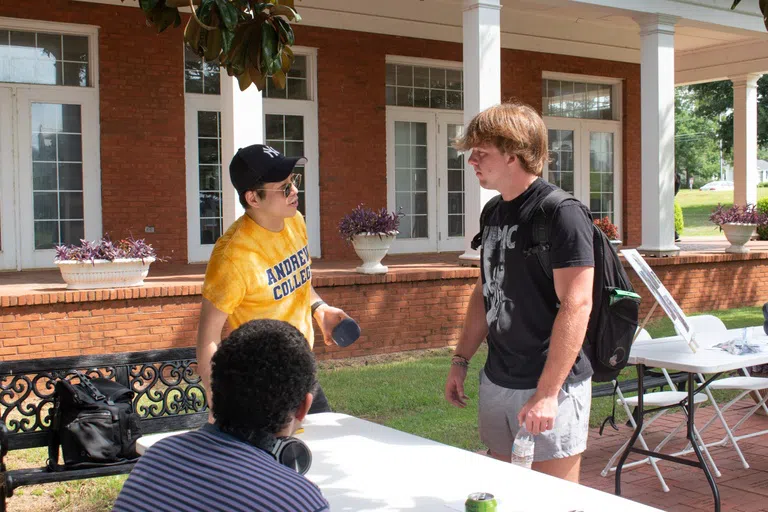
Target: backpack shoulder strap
540,220
477,241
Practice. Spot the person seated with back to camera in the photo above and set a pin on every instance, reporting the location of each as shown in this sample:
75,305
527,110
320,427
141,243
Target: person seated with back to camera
262,379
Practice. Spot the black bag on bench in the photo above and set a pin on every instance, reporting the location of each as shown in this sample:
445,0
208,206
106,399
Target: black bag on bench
94,423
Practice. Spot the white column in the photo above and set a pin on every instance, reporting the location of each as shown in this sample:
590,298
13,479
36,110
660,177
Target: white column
482,89
745,177
657,96
242,124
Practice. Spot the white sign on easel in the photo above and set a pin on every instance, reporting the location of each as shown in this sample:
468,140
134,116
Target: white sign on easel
662,296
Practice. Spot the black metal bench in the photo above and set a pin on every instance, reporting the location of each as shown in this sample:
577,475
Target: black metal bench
630,385
168,396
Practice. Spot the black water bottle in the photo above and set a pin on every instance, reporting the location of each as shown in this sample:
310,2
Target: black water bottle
765,317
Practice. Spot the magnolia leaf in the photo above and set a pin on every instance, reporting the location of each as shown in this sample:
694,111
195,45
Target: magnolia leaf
244,80
284,10
286,60
257,78
269,42
735,3
192,35
147,5
228,13
285,31
278,78
212,45
227,37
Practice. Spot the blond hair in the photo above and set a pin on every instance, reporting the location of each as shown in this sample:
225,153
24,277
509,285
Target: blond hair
513,128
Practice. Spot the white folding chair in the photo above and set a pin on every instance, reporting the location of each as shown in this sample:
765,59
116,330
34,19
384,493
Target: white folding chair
655,399
747,384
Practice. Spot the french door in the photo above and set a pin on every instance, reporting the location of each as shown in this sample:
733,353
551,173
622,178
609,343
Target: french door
585,160
50,188
425,180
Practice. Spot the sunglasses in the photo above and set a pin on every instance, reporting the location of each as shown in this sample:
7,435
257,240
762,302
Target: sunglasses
294,181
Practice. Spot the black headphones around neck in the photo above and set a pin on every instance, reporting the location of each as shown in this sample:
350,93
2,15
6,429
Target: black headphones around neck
286,450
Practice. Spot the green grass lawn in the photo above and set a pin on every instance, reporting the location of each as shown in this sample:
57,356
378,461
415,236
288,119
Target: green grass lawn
697,205
406,394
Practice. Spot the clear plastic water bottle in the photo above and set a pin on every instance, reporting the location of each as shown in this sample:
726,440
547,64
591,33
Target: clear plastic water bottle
522,448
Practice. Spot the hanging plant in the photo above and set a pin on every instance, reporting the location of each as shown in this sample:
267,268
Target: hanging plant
251,38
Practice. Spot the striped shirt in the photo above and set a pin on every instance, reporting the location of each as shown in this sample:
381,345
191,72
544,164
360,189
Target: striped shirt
208,470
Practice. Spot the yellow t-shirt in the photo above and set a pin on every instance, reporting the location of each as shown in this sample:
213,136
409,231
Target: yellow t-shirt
256,273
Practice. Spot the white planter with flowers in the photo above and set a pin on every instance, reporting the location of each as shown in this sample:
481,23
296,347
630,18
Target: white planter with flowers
371,248
104,264
739,224
371,233
738,234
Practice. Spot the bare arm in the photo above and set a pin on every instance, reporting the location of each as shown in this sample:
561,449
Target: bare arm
473,333
574,290
475,327
208,338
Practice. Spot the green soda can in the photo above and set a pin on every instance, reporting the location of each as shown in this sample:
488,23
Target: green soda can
480,502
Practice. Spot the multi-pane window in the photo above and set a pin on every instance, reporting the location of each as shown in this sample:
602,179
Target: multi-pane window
561,159
563,98
285,133
455,189
200,77
44,58
209,169
411,178
57,174
296,82
422,86
601,174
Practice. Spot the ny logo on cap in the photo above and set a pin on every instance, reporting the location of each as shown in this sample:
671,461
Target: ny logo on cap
272,152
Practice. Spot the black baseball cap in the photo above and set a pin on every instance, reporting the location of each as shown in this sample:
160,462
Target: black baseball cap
260,163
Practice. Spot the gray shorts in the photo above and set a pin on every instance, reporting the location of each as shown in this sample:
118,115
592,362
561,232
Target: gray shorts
497,419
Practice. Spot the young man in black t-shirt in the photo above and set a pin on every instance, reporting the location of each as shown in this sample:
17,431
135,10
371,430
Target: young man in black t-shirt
535,373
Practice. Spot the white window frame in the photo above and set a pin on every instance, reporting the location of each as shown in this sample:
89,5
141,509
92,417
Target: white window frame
308,109
26,257
8,194
193,103
581,128
89,118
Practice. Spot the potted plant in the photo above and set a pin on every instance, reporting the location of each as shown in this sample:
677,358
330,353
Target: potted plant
370,233
104,263
609,229
738,223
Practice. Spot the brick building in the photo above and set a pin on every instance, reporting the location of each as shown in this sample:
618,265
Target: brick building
108,127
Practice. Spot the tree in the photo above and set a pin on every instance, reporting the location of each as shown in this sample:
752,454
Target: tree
252,39
697,152
714,100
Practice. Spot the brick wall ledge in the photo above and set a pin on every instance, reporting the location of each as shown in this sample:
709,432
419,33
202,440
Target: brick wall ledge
163,286
697,258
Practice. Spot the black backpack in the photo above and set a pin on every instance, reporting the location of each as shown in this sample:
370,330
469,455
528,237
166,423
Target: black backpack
615,306
94,423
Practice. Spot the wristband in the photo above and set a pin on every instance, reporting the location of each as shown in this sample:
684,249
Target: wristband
316,305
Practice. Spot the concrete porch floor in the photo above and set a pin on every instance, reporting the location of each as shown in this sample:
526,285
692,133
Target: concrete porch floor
741,490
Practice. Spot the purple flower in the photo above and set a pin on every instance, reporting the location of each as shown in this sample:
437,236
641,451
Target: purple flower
365,220
737,215
105,249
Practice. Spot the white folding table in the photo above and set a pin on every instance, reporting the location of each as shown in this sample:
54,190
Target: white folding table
673,353
362,466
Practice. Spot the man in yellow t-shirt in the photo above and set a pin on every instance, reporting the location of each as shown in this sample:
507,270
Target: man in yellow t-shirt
260,268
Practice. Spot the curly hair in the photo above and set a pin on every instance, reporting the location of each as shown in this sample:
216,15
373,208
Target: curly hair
259,375
513,128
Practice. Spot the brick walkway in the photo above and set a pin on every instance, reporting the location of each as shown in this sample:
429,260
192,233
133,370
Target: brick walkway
741,490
